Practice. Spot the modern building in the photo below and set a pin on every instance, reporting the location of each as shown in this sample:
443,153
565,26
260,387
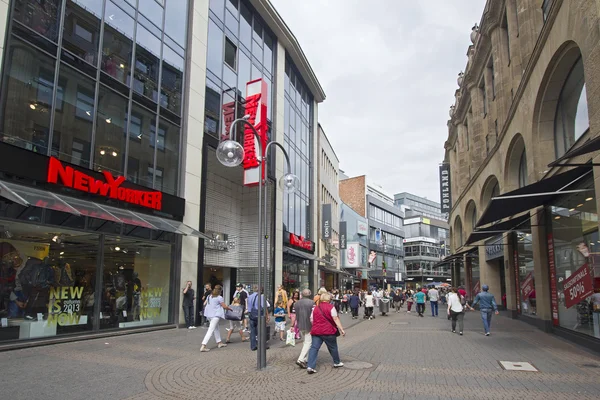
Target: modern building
385,237
354,247
413,205
329,213
111,193
523,137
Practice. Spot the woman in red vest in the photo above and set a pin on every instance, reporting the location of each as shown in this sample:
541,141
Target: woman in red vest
325,326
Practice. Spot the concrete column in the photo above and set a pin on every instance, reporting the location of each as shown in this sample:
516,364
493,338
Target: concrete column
194,122
510,275
541,270
314,133
278,129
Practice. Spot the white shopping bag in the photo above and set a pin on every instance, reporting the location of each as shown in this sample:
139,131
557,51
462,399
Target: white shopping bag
291,339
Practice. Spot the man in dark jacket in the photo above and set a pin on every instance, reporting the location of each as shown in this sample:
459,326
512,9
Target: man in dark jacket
303,308
354,302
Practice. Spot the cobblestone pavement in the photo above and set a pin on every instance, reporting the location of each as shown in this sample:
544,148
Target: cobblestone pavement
399,356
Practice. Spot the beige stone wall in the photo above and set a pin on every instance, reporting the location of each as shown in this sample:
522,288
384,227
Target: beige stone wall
527,87
352,192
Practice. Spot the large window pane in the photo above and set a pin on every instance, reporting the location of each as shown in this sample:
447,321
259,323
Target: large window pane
268,56
214,52
118,44
152,10
73,124
141,150
110,132
135,284
176,20
147,55
244,68
218,7
81,34
246,27
27,98
171,80
41,16
167,157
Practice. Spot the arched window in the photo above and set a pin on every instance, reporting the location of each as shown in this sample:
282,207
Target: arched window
473,218
458,231
572,119
523,180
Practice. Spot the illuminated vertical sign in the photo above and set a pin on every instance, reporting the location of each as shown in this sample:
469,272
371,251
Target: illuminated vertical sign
256,109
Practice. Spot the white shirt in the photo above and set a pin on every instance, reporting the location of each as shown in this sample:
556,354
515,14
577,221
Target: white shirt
433,295
454,302
369,300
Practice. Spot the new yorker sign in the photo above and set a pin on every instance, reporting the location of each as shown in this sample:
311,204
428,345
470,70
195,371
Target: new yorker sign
109,187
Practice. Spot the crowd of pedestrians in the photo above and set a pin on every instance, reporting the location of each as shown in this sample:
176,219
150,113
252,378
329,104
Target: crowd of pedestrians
316,320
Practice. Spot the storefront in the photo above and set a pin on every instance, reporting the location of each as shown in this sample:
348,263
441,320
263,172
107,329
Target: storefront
494,257
82,251
525,282
298,262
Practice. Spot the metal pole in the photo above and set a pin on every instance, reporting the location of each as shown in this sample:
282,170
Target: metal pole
262,352
265,258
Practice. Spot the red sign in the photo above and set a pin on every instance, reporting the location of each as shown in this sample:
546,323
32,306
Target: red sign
110,187
578,286
256,109
553,288
300,242
527,286
516,268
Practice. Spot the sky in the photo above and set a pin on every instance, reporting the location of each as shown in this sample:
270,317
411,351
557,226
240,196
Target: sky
388,69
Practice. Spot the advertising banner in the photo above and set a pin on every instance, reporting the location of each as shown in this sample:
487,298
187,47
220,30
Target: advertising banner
578,286
256,108
553,288
326,221
343,235
527,286
352,256
445,195
372,257
362,228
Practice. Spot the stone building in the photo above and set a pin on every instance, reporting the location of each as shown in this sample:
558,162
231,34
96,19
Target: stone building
521,145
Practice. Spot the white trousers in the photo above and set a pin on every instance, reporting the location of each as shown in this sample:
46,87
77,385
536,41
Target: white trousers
305,347
213,328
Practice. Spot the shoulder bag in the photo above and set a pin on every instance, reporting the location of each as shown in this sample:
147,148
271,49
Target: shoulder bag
253,315
337,330
235,314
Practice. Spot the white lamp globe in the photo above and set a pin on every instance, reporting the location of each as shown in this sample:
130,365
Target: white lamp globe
289,182
230,153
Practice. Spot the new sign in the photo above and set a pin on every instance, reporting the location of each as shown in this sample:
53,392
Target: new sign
256,109
326,221
445,196
300,242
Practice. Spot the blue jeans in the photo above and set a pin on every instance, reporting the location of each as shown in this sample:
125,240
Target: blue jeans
331,343
486,316
434,308
253,334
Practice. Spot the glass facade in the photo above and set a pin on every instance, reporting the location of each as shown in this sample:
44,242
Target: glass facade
99,85
385,217
527,295
297,273
298,142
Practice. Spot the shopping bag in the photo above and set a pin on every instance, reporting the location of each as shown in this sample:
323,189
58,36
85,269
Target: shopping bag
291,339
235,314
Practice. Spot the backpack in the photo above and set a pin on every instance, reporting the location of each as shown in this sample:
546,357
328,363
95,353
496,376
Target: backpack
463,300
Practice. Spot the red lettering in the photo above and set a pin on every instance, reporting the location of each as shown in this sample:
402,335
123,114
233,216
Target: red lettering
113,183
98,187
56,169
80,181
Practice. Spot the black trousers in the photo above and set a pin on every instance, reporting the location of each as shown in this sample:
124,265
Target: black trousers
420,308
188,313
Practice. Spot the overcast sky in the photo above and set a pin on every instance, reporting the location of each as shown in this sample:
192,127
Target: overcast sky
388,68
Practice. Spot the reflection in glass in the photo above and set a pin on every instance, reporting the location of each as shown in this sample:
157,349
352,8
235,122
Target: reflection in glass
110,132
27,98
117,44
167,157
268,55
81,34
218,7
152,10
214,53
141,150
171,80
147,55
212,108
244,68
176,20
73,126
246,27
40,16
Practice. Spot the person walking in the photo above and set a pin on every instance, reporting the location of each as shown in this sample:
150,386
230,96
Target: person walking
281,295
397,299
279,314
487,305
291,310
420,298
409,300
188,305
345,297
205,296
236,325
214,311
325,328
252,304
354,302
434,297
456,310
303,308
369,305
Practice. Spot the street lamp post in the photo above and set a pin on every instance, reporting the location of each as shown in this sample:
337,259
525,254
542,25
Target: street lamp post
231,153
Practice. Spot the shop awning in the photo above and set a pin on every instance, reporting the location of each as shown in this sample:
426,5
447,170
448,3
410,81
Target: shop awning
333,270
588,147
532,196
455,256
32,197
300,254
521,222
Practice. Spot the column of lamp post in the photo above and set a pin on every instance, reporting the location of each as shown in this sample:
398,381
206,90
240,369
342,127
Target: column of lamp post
231,153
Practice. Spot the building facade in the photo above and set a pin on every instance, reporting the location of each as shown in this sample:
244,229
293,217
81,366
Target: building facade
329,214
386,234
413,205
111,194
521,147
354,247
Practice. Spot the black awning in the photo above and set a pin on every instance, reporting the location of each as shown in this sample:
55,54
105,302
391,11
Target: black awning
522,223
588,147
532,196
300,254
454,256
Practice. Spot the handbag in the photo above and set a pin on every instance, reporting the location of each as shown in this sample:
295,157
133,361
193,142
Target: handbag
337,330
235,314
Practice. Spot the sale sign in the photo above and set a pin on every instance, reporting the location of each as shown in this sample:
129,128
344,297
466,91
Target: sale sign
527,286
578,286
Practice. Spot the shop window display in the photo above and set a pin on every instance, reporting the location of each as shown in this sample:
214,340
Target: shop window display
527,296
296,274
575,243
